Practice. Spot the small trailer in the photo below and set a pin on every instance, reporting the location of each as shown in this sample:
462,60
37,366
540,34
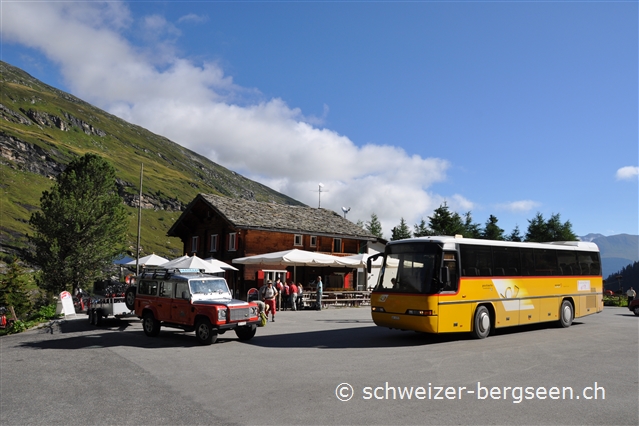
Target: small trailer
108,301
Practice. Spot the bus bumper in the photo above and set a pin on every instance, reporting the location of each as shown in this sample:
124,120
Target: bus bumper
427,324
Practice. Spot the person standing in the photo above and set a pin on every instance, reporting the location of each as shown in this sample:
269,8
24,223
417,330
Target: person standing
285,295
320,289
631,295
300,299
292,288
279,287
269,293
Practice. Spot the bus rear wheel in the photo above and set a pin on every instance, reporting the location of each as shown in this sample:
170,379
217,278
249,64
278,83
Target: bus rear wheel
566,314
482,324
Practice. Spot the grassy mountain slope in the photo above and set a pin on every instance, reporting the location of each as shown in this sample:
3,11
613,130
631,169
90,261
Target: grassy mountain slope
43,128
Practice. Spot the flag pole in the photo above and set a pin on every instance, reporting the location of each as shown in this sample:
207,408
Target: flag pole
137,257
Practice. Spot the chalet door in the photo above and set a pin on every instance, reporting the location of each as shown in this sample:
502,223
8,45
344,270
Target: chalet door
274,275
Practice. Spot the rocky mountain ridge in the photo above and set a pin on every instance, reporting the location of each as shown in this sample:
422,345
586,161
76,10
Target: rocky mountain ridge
42,129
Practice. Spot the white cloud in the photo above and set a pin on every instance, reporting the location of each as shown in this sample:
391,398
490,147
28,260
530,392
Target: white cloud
192,17
199,107
628,173
521,206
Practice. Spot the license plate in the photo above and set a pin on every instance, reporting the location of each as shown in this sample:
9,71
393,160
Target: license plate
395,317
241,323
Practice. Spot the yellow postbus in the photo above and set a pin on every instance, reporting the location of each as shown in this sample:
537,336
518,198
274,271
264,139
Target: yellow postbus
454,284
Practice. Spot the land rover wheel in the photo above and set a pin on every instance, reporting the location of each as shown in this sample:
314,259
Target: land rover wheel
566,314
150,325
129,298
481,325
246,332
90,315
204,332
98,317
636,311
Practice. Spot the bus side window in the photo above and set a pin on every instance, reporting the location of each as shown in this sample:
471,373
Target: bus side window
527,262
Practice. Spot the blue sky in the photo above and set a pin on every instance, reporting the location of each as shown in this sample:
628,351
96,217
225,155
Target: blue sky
502,108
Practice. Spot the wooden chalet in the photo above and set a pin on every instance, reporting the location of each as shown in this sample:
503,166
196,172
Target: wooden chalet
228,228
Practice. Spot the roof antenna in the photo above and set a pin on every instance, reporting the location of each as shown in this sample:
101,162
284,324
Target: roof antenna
319,191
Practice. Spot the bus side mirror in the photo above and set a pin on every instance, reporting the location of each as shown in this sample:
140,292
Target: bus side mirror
370,260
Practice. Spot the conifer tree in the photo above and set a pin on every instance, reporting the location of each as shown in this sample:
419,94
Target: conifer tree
13,290
401,231
445,222
81,227
421,229
491,230
374,226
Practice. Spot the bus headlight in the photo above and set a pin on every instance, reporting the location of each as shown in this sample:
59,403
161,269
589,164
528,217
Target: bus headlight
377,309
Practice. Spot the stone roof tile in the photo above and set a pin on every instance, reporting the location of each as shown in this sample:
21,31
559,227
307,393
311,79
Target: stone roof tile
255,214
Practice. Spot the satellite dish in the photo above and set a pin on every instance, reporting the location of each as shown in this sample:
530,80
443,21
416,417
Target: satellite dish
321,185
346,209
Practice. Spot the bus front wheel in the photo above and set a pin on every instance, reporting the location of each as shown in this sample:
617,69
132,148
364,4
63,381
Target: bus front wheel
566,314
482,325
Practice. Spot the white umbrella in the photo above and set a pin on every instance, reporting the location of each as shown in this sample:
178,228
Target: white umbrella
359,260
170,263
150,260
220,264
294,257
192,262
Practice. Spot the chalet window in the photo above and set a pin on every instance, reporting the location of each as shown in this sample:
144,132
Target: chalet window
233,241
337,245
194,243
298,240
213,242
313,240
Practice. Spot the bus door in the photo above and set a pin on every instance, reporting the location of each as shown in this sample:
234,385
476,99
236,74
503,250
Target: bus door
455,310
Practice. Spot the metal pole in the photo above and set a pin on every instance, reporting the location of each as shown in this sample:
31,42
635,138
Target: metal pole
137,257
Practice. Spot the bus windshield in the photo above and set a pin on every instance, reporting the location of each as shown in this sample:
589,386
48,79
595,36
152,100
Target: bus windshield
410,268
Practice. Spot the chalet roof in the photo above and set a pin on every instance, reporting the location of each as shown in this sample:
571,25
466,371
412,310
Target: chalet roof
278,217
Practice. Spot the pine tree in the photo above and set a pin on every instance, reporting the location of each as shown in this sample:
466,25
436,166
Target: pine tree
443,222
540,230
401,231
421,230
374,226
471,230
81,227
515,235
13,291
492,231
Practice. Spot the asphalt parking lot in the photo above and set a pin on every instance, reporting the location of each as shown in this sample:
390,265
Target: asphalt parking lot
328,367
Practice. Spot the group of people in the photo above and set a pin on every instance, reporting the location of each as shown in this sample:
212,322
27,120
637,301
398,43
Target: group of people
280,296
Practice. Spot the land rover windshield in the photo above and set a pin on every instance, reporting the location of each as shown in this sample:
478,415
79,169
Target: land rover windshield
410,268
209,289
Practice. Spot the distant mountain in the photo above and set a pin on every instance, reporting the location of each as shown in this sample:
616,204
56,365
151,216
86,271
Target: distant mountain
590,237
42,129
617,251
